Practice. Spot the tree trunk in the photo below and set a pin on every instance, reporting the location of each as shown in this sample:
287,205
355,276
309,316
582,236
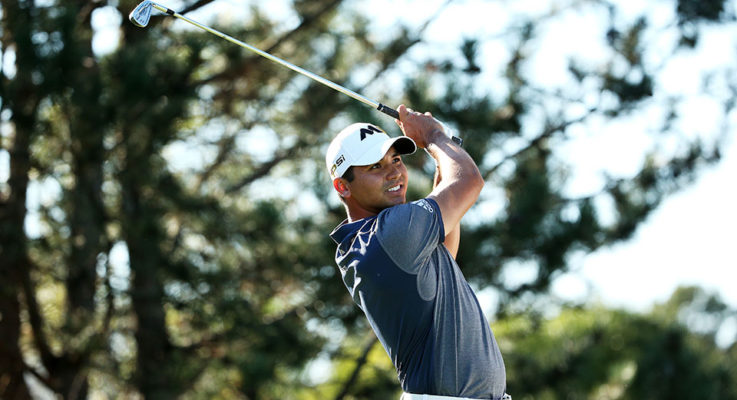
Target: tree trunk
13,264
87,125
154,354
21,97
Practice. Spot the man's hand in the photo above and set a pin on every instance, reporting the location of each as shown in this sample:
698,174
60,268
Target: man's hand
422,128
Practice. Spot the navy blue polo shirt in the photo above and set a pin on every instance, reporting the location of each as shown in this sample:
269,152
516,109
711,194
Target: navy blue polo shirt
418,302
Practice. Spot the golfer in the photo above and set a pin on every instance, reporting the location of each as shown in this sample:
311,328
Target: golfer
397,259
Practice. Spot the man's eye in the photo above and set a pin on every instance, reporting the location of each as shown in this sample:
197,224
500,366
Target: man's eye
375,166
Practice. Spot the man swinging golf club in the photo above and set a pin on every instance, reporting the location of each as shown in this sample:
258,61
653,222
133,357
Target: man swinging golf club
397,259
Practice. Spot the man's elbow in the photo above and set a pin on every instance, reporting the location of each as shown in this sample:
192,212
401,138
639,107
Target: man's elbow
476,180
471,183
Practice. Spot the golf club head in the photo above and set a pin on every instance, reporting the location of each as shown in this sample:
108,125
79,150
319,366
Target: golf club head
141,14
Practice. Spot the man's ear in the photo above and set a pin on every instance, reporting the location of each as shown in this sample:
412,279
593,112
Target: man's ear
341,187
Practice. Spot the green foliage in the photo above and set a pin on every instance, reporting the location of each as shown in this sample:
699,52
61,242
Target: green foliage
593,352
692,11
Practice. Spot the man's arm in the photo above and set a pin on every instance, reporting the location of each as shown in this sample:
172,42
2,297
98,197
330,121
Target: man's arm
461,181
453,238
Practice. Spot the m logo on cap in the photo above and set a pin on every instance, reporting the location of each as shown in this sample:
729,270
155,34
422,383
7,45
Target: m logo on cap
369,131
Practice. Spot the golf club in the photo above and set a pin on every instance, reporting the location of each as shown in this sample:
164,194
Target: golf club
141,15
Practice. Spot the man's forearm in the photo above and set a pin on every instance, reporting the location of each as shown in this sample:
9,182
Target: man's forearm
456,175
453,165
453,238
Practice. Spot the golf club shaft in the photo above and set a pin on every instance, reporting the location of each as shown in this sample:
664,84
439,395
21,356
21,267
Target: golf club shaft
381,107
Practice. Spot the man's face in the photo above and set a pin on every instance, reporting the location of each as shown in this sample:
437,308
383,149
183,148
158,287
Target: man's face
380,185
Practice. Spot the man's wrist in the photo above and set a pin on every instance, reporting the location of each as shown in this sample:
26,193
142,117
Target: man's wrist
435,137
440,136
451,134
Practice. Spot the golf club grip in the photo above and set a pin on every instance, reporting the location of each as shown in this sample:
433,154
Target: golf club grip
388,111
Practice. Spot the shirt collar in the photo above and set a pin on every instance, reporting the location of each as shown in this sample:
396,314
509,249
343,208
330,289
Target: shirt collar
346,229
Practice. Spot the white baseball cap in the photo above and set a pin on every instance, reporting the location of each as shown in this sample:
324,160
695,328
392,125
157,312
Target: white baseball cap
362,144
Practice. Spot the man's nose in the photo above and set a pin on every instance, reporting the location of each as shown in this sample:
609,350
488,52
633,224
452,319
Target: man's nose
395,171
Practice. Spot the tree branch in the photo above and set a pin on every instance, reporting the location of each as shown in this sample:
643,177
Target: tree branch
360,362
43,379
225,144
386,63
547,133
307,21
224,150
242,69
195,6
265,168
109,298
34,314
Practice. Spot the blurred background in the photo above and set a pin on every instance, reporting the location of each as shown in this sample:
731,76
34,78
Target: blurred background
165,209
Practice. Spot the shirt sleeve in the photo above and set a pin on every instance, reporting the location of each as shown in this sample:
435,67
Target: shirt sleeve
409,233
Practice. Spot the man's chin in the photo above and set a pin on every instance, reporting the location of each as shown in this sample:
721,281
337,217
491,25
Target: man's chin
397,201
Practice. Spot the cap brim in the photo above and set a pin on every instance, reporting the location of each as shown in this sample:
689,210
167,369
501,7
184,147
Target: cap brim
403,144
